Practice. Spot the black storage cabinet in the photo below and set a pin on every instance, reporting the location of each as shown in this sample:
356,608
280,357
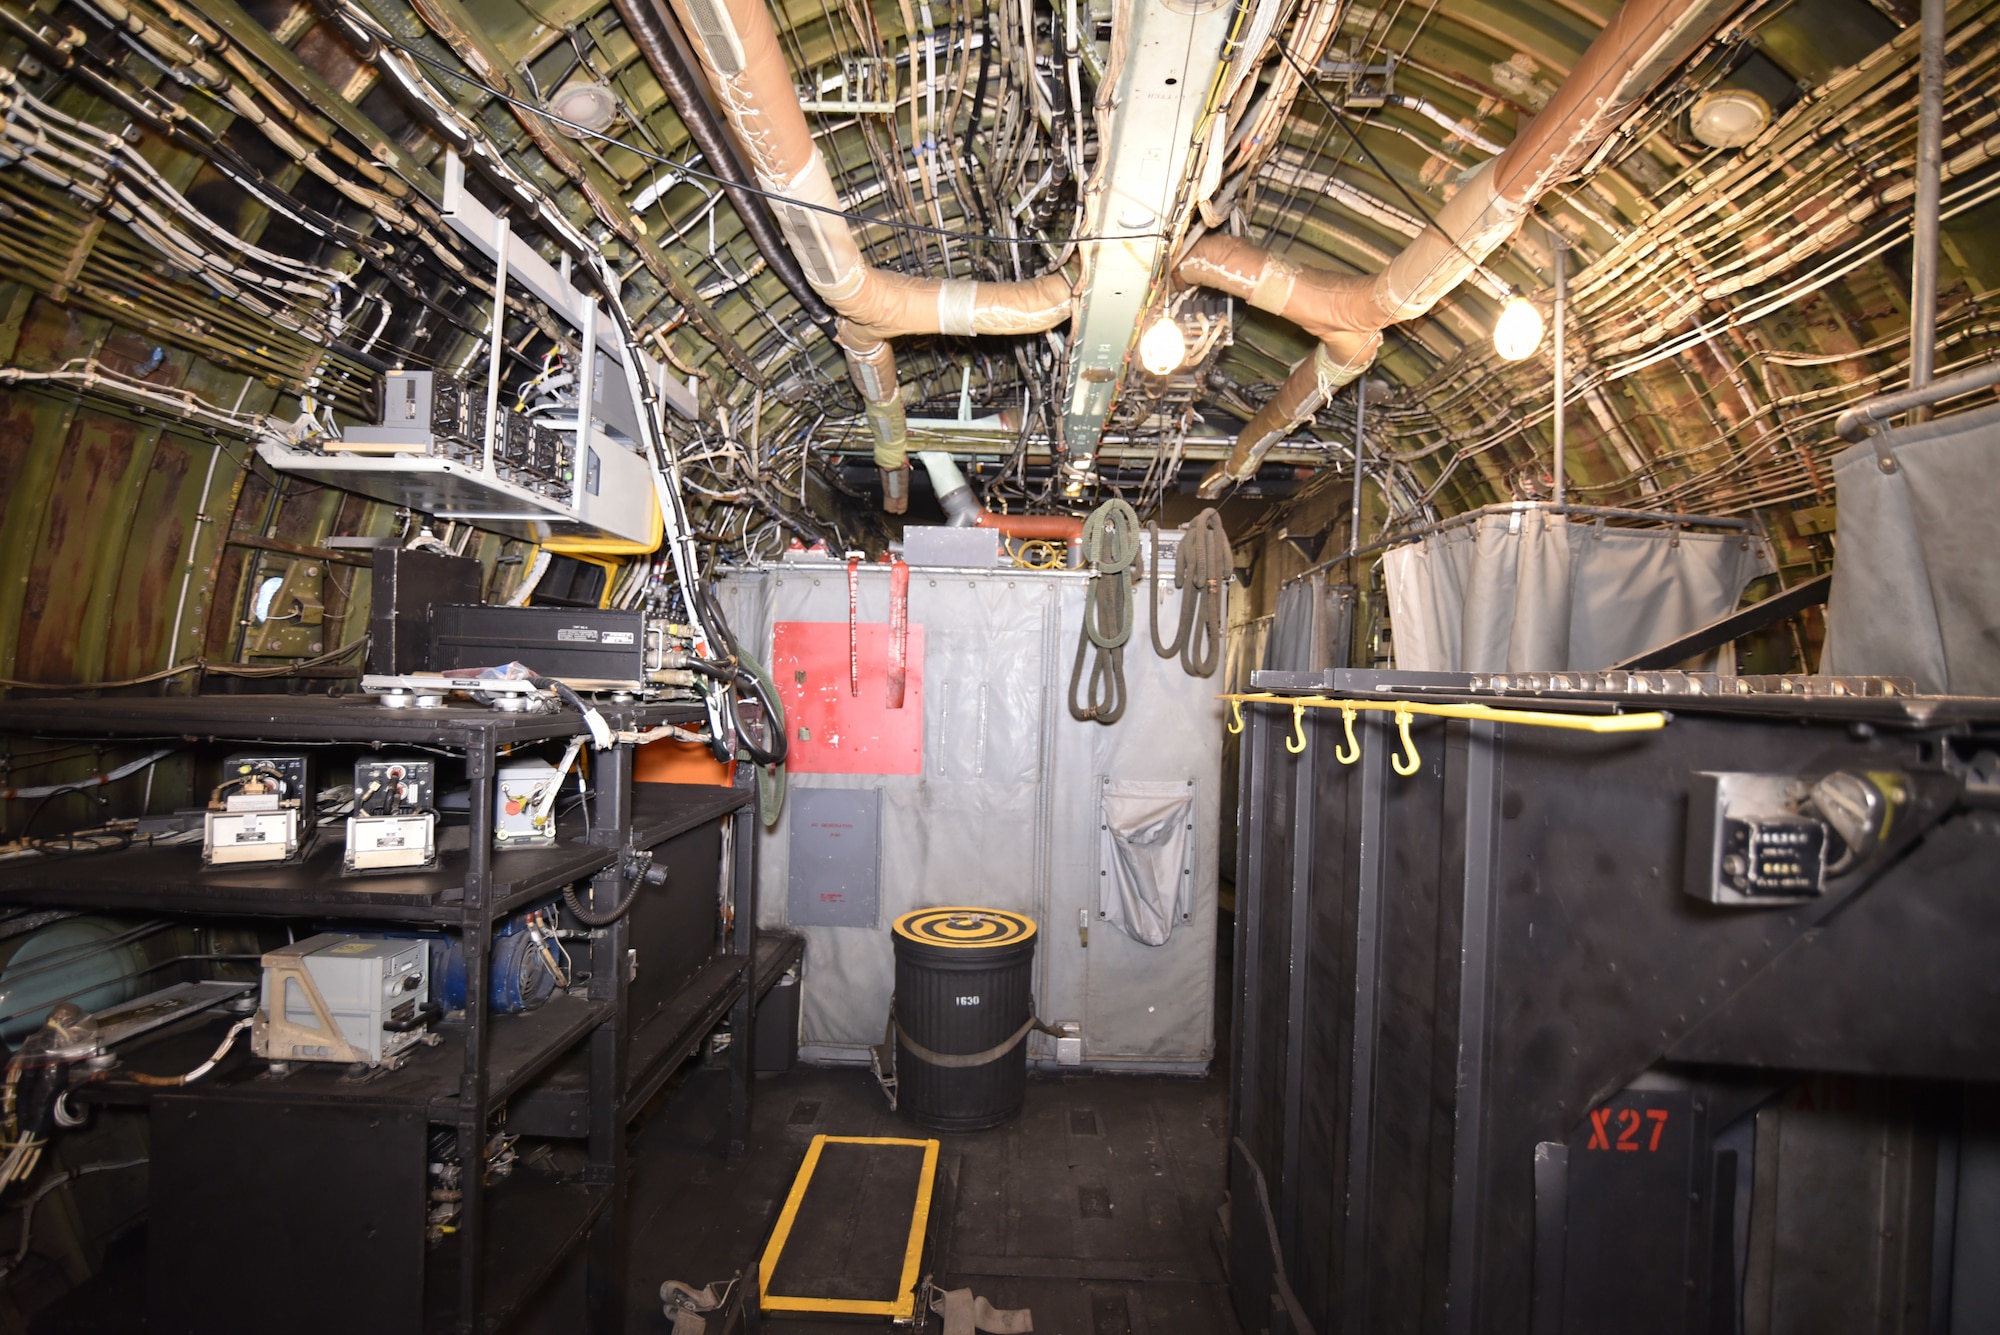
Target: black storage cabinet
1496,1071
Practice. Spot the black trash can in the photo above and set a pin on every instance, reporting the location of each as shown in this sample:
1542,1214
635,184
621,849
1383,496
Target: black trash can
963,990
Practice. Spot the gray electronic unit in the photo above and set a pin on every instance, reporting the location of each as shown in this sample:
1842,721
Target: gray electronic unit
337,997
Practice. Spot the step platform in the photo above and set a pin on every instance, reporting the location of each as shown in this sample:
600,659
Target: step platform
850,1239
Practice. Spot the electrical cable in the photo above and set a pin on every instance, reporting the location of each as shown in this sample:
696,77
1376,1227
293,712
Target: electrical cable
189,1077
591,918
578,131
63,1179
1354,137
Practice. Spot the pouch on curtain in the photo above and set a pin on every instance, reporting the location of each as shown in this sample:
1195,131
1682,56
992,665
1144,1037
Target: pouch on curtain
1148,857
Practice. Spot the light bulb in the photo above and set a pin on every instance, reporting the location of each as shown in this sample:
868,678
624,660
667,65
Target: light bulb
1518,331
1162,348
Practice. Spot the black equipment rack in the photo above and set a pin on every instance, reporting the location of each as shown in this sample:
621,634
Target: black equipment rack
591,1067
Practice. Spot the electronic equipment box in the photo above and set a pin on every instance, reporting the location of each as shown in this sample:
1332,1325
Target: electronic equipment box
394,823
591,649
524,804
262,811
338,997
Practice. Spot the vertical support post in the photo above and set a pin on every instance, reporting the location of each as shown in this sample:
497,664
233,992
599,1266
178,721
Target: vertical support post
1370,842
742,831
586,385
1299,949
1253,800
611,799
1469,1167
1930,160
610,979
476,928
1360,471
1559,244
498,338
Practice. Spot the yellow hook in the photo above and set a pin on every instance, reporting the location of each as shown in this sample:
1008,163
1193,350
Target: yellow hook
1409,747
1352,752
1235,717
1297,742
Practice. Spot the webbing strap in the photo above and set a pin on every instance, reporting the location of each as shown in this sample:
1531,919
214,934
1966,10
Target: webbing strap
956,1061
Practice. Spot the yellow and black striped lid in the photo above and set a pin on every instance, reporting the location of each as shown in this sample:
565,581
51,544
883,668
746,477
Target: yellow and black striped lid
965,928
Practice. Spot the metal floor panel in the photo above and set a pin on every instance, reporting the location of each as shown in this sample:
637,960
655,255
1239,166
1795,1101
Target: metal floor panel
1096,1208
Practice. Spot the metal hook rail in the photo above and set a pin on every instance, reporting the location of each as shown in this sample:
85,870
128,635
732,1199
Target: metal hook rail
1408,762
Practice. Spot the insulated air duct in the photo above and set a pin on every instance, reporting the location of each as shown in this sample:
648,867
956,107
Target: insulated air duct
671,63
1645,41
738,48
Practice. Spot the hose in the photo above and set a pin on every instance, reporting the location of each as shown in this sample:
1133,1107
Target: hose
1110,542
1202,566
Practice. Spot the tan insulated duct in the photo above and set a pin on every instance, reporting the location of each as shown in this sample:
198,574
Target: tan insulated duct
739,53
1645,41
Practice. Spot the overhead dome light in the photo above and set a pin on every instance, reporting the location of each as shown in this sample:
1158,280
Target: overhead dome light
1518,331
1729,118
1162,348
581,107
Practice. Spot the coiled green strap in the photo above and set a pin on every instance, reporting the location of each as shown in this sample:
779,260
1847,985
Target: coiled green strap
1110,544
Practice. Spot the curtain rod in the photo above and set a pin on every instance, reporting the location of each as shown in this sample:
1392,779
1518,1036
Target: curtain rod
1537,507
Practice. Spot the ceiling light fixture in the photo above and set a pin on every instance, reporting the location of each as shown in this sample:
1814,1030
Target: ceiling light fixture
1162,348
1518,331
1729,117
583,107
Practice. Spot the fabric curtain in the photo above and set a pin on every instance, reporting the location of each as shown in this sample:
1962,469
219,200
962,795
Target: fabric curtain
1529,591
1916,581
1311,627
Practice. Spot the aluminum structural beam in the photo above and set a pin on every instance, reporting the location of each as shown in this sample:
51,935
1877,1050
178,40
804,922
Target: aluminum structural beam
1138,197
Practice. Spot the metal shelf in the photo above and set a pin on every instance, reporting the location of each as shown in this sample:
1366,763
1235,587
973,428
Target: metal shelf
662,810
312,718
172,879
519,1048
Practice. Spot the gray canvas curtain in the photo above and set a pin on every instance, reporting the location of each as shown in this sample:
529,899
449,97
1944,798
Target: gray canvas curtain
1916,578
1310,630
1529,591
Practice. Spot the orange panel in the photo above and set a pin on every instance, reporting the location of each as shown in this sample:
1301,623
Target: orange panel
670,761
835,731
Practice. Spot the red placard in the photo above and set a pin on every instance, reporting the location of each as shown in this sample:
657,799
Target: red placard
833,730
